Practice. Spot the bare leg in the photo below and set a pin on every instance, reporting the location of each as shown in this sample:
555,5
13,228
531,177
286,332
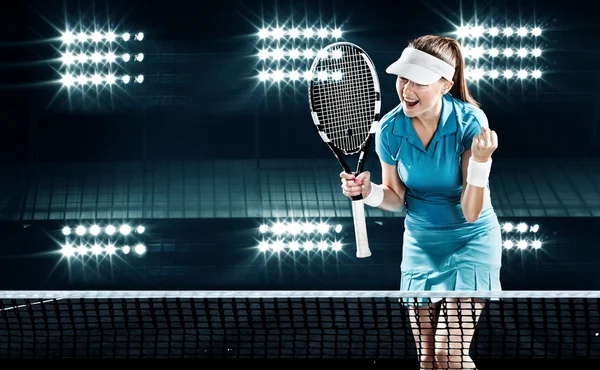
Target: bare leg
423,320
455,331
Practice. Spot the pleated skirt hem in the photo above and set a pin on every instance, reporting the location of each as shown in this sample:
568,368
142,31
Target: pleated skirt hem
467,276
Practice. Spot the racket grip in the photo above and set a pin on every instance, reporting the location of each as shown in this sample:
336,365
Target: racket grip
360,229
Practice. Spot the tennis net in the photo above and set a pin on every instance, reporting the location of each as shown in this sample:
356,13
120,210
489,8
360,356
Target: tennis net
372,325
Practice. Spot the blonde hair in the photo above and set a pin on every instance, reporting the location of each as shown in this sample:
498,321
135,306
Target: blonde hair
448,50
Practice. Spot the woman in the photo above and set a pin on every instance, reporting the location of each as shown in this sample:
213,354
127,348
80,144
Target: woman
435,150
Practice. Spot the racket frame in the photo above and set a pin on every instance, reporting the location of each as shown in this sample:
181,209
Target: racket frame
363,150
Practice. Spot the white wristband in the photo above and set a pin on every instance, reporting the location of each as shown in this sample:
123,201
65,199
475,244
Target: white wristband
478,173
375,197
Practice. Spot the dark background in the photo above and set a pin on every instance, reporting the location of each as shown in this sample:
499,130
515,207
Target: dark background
201,101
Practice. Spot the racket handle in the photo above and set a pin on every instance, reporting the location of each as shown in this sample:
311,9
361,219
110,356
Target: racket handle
360,229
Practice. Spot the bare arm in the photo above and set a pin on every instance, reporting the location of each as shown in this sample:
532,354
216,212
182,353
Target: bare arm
473,197
394,189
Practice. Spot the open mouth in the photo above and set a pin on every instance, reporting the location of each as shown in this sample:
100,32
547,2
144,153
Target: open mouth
411,103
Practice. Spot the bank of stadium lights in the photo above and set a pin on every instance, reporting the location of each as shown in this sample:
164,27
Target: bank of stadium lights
275,56
507,74
95,230
96,50
476,52
73,249
69,37
472,39
295,46
521,236
279,33
279,75
94,239
468,31
298,236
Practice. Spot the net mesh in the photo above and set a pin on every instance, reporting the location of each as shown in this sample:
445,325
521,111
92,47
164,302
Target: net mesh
294,325
344,96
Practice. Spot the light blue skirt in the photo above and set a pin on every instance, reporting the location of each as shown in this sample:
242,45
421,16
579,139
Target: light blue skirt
465,259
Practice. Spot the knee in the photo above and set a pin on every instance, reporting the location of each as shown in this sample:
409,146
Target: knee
448,358
441,354
427,362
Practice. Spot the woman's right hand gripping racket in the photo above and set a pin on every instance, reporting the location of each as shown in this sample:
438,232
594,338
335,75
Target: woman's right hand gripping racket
345,102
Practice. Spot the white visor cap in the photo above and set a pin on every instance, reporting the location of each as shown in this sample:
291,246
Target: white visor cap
420,67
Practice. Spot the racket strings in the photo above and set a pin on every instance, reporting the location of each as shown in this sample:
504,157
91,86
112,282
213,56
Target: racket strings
346,107
352,102
351,98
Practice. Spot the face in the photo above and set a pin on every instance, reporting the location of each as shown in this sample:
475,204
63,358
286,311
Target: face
421,100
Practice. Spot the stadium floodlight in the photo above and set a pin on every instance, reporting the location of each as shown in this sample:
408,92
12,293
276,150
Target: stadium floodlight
110,249
68,250
98,58
99,239
283,237
110,230
110,57
95,230
501,52
140,249
80,230
494,53
125,229
68,37
476,31
285,54
111,36
97,249
518,236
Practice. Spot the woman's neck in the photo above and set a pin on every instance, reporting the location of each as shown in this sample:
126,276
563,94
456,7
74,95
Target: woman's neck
431,119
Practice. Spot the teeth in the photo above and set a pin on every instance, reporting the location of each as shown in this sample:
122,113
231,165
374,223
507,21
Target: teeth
411,101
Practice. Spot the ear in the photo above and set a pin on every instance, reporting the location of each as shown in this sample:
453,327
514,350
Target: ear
447,86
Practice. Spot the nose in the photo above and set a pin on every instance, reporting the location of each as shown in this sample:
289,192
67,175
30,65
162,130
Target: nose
408,86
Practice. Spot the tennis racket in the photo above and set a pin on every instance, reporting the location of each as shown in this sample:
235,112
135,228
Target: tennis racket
345,102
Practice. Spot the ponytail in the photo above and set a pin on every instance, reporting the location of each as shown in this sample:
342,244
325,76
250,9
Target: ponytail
448,50
460,89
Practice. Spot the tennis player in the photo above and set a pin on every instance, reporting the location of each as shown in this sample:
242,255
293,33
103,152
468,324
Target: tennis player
435,150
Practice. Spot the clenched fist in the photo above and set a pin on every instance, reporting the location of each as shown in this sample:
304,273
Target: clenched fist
354,185
484,145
